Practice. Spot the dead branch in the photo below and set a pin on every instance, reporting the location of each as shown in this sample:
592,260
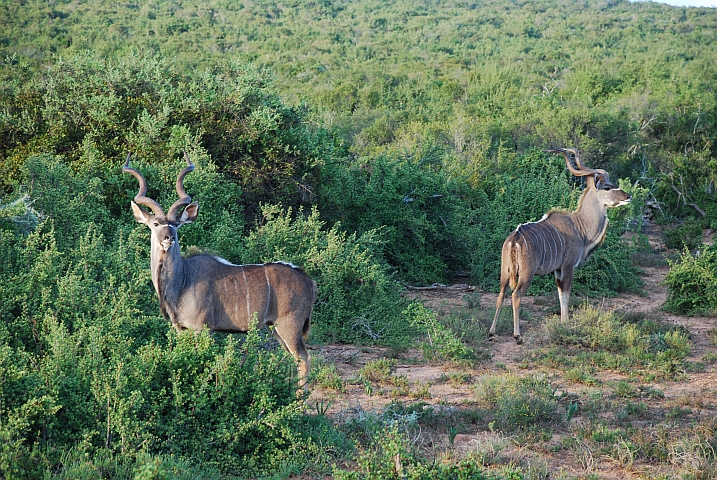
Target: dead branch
459,287
684,199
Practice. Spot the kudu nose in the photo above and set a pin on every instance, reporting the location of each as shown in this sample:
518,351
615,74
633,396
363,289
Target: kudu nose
167,242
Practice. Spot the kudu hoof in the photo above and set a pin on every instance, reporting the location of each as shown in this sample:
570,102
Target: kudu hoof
518,339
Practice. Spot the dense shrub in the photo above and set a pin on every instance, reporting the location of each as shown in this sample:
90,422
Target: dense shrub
686,185
94,112
238,400
438,342
418,209
692,282
609,270
84,367
686,236
359,301
88,365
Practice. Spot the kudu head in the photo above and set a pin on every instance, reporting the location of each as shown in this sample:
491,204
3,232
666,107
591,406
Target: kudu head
608,194
163,227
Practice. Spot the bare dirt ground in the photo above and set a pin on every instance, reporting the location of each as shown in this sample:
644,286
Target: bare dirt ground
693,395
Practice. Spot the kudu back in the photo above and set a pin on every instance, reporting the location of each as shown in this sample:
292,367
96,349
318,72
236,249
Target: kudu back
558,242
204,290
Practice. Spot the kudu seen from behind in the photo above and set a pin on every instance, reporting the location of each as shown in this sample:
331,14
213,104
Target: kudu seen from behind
204,290
558,242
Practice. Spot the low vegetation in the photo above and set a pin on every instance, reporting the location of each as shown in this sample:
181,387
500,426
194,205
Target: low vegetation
609,341
563,398
376,148
692,282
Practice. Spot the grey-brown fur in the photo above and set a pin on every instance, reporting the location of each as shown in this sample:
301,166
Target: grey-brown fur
559,242
203,290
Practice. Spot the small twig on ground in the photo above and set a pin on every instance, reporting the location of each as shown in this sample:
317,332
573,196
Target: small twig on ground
461,287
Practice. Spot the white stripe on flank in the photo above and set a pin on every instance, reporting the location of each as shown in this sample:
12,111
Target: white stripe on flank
538,241
562,242
554,253
248,308
268,293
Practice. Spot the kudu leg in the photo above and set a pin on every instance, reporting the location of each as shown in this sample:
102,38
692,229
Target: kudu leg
518,292
564,280
520,289
498,306
516,315
293,340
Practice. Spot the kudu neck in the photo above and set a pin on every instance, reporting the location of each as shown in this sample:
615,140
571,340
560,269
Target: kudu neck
167,269
591,214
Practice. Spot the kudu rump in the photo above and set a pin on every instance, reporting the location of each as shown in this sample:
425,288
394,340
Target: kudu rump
558,242
206,290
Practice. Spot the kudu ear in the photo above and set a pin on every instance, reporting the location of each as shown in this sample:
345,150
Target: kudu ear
189,214
603,181
140,215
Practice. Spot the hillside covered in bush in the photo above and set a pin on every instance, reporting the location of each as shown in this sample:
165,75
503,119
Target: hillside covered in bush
372,143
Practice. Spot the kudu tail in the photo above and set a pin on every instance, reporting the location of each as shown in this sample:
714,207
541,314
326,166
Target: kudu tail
514,264
510,262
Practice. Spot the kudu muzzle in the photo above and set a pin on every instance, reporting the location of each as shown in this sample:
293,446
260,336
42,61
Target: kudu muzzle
167,237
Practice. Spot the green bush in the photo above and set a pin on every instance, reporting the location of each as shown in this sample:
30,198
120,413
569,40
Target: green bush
686,236
238,401
518,403
610,341
609,270
326,375
94,112
685,185
94,392
439,343
591,328
89,366
358,300
692,283
72,201
416,206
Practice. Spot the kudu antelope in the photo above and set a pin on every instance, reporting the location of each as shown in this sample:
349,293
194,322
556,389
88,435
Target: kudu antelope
558,242
207,290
